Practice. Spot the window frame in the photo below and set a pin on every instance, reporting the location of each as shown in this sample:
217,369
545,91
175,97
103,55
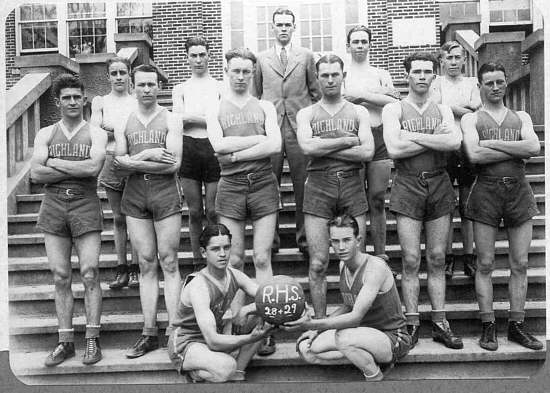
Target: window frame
512,23
19,37
147,14
83,19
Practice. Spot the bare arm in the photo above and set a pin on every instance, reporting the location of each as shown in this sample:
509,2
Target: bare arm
315,146
96,118
379,96
476,153
365,150
40,173
397,147
89,167
527,147
178,108
446,137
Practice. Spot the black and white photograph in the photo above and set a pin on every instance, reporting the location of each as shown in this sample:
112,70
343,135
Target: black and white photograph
270,195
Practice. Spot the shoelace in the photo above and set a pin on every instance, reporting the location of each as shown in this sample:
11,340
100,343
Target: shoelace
58,350
90,345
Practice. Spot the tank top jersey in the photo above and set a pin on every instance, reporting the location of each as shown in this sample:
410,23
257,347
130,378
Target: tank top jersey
426,122
140,137
114,110
219,303
385,312
508,130
246,121
75,149
324,125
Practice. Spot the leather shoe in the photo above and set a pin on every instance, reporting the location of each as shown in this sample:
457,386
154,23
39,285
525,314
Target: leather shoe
133,278
92,353
449,266
470,265
488,339
413,331
63,351
517,333
121,277
143,345
267,347
441,332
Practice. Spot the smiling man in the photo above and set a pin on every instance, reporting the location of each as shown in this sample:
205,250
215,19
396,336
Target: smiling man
418,134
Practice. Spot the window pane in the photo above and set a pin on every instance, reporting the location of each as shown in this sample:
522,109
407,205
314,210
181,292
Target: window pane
260,12
305,42
305,27
39,37
316,44
237,39
98,9
74,46
236,15
326,10
123,26
315,11
148,26
495,16
327,43
262,45
26,37
51,35
25,12
86,27
50,11
351,12
38,12
262,31
85,10
135,26
327,27
87,46
74,29
137,9
123,9
100,45
315,28
99,27
304,12
524,15
509,15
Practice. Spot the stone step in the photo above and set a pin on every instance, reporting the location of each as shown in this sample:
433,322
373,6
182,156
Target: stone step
430,360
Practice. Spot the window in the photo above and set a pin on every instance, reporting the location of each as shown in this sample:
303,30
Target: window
509,12
135,18
316,26
87,28
38,27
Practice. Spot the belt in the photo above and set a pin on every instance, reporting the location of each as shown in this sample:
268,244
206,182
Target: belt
250,176
153,176
422,174
66,191
340,174
499,179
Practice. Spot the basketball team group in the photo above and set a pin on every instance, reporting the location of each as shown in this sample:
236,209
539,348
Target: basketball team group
222,147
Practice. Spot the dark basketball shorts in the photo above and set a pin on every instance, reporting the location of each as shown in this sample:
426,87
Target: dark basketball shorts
332,192
380,151
70,212
460,170
253,195
109,177
401,343
492,199
149,196
198,161
422,197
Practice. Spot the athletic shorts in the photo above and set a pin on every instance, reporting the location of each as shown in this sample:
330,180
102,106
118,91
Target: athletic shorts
178,344
150,196
70,212
401,343
424,196
460,170
198,161
380,151
333,192
109,177
492,199
253,195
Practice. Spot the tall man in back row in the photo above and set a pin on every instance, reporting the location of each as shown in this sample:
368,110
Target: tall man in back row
285,75
418,134
148,147
498,140
67,158
336,135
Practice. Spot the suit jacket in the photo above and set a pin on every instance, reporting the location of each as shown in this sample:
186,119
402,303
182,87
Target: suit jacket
289,90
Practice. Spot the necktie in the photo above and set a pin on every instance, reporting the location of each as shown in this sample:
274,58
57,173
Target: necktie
284,58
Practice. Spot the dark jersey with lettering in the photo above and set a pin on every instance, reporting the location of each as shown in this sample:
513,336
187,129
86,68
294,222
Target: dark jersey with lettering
324,125
219,303
75,149
424,122
508,130
246,121
385,312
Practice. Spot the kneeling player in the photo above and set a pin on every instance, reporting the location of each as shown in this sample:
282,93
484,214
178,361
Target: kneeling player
369,328
197,345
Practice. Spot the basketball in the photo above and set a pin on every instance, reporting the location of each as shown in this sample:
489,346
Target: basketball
280,300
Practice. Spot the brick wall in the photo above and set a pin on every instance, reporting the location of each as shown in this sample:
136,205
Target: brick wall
173,23
11,79
378,23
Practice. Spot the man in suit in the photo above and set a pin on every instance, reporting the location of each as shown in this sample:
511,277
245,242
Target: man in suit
285,75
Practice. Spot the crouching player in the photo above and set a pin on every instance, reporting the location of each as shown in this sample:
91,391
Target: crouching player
198,345
369,328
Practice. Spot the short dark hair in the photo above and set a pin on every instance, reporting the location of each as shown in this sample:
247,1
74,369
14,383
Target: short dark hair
212,230
118,59
196,41
283,11
359,28
449,46
145,68
329,59
65,81
243,53
425,56
490,67
344,221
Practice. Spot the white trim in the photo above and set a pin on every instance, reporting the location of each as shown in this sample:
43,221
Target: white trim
110,26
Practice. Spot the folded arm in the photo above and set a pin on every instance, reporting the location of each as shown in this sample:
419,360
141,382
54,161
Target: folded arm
478,154
40,173
365,150
397,146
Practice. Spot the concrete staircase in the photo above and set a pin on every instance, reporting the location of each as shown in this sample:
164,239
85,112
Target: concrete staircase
33,323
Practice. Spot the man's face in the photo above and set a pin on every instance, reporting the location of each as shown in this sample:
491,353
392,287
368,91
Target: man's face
217,251
70,102
359,45
420,76
119,77
493,86
240,72
452,62
343,242
283,27
198,58
146,87
330,78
